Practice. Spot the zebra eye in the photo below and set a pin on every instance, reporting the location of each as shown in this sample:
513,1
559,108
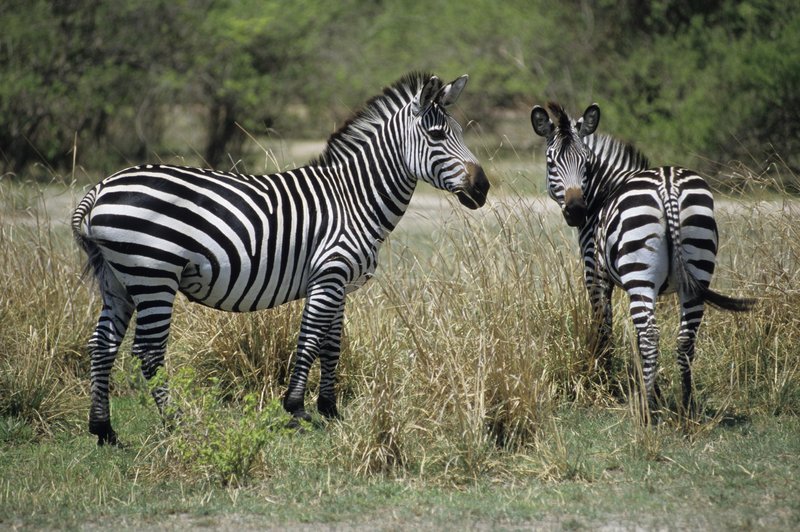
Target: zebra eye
437,134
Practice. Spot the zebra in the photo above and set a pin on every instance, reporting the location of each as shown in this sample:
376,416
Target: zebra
242,243
647,230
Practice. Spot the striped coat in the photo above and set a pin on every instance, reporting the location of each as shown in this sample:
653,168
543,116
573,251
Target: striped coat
241,242
649,231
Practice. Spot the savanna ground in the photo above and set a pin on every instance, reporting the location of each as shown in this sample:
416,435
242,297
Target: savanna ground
467,394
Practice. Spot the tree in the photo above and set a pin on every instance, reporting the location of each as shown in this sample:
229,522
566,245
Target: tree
67,68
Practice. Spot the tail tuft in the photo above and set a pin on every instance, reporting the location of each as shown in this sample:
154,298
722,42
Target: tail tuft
726,302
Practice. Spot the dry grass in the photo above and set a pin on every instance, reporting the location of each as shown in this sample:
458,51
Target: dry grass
456,357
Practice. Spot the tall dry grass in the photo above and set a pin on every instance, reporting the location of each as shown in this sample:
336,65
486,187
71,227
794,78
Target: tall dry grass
461,352
45,315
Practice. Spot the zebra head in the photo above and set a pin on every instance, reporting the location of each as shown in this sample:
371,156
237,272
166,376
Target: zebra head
436,152
567,157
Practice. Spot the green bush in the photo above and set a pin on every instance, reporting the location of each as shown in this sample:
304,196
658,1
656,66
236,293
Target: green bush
222,440
693,83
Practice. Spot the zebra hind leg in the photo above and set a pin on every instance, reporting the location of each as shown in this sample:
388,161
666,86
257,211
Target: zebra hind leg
691,316
103,347
643,314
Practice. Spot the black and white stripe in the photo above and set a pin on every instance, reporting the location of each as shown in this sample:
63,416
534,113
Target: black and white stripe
649,231
241,243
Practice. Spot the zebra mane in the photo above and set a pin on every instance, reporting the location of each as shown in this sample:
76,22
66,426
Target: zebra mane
610,151
562,119
376,111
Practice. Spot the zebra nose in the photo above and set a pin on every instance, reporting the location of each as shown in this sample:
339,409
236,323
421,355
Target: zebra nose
574,208
473,195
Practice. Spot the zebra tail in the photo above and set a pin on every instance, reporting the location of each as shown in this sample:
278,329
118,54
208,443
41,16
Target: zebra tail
95,263
726,302
686,282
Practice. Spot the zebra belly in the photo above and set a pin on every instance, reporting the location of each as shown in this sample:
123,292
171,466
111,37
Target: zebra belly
227,243
249,286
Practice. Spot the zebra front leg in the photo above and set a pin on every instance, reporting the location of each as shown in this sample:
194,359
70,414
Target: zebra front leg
153,320
323,310
103,347
329,359
600,287
691,317
600,343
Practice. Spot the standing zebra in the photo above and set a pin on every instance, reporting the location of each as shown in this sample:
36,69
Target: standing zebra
649,231
242,243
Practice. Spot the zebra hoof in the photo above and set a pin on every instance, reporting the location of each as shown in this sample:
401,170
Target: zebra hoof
105,434
296,423
327,408
296,408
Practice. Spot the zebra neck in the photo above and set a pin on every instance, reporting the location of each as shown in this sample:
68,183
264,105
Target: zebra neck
609,164
602,182
377,189
366,154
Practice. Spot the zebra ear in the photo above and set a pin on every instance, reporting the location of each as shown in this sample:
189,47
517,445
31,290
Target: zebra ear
448,95
587,124
427,94
541,122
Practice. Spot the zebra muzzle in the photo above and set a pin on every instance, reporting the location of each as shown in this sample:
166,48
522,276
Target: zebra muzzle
476,186
574,210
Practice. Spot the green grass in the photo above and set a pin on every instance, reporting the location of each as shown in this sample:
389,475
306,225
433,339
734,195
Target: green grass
593,469
467,393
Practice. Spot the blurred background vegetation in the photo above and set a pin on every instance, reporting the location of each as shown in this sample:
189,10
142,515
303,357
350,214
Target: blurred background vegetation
704,83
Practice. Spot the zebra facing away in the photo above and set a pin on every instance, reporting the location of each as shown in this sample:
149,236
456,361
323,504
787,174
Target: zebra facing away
649,231
241,242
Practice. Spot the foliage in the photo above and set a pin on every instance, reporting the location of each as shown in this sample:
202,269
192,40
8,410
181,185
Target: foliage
210,438
692,82
78,71
714,83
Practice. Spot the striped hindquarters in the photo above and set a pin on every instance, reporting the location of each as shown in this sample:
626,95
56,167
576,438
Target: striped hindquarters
697,237
692,230
659,233
80,230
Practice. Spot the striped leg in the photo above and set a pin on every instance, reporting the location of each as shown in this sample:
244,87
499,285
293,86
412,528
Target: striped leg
691,316
600,288
153,317
323,310
103,347
600,297
329,359
642,308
